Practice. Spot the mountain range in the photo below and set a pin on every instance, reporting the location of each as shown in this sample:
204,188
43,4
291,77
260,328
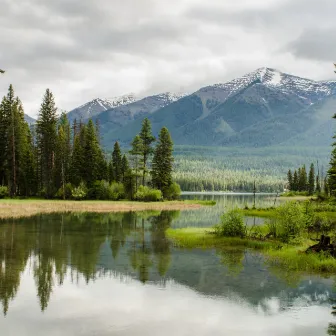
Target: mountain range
263,108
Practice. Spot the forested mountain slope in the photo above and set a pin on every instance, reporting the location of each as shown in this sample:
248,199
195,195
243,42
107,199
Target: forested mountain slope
263,108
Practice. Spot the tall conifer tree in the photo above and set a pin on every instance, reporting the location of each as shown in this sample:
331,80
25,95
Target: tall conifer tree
117,163
162,165
290,180
135,152
311,180
47,140
92,155
147,140
332,170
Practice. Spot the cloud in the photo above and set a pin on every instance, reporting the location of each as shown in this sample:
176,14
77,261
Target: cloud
81,49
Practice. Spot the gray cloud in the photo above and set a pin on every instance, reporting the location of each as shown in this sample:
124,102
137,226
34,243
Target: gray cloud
81,49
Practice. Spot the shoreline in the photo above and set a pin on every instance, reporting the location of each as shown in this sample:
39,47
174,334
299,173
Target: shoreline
26,208
287,257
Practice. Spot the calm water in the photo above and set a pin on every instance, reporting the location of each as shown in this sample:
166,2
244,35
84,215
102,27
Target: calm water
117,274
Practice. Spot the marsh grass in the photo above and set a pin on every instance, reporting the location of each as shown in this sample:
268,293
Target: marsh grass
206,238
290,258
15,208
260,212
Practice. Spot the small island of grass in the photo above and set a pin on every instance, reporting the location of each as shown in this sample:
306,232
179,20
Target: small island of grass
284,239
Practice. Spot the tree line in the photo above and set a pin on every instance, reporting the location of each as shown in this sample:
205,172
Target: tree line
54,159
301,181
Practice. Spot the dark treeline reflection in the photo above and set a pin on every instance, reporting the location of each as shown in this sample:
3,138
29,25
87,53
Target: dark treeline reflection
54,246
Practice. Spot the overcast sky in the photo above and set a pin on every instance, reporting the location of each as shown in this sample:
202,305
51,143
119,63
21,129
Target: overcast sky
82,49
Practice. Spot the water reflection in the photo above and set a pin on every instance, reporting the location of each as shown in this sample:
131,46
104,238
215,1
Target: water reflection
92,267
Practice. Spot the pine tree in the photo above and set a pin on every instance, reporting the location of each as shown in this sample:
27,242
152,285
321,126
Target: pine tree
4,120
162,165
295,181
332,170
303,179
135,152
311,180
47,140
117,163
124,167
15,146
318,184
290,180
147,139
63,154
326,187
92,155
77,160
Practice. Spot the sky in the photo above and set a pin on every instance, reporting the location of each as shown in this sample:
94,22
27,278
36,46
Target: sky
84,49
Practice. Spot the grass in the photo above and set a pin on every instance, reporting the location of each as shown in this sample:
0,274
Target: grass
288,257
14,208
205,238
260,212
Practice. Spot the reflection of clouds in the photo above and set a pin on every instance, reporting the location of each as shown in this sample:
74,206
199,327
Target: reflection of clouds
110,307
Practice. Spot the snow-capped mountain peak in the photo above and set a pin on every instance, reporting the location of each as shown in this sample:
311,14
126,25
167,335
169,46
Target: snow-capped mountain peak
98,105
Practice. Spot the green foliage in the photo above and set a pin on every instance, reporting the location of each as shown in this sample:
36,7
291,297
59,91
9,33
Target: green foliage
231,225
47,142
116,171
146,148
117,191
289,221
103,190
162,165
93,155
80,192
311,180
147,194
3,192
173,192
100,190
66,192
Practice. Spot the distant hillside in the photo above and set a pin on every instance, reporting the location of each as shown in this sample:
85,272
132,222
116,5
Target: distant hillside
29,119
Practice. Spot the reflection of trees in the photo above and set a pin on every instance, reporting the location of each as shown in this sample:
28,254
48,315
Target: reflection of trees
160,244
232,259
13,258
71,244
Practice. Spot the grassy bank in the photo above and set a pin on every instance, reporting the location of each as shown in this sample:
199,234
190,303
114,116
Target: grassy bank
290,257
23,208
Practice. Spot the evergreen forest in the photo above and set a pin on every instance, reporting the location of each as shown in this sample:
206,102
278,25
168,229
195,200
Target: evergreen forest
56,159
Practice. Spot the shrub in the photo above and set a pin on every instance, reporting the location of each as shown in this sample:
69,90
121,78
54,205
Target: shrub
173,192
68,191
147,194
80,192
231,225
3,191
99,191
289,221
116,191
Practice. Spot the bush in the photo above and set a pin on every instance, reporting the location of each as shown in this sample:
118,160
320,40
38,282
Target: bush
99,191
80,192
68,192
173,192
232,224
147,194
3,191
289,221
116,191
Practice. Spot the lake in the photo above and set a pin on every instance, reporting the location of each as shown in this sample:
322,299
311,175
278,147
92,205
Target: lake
118,274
